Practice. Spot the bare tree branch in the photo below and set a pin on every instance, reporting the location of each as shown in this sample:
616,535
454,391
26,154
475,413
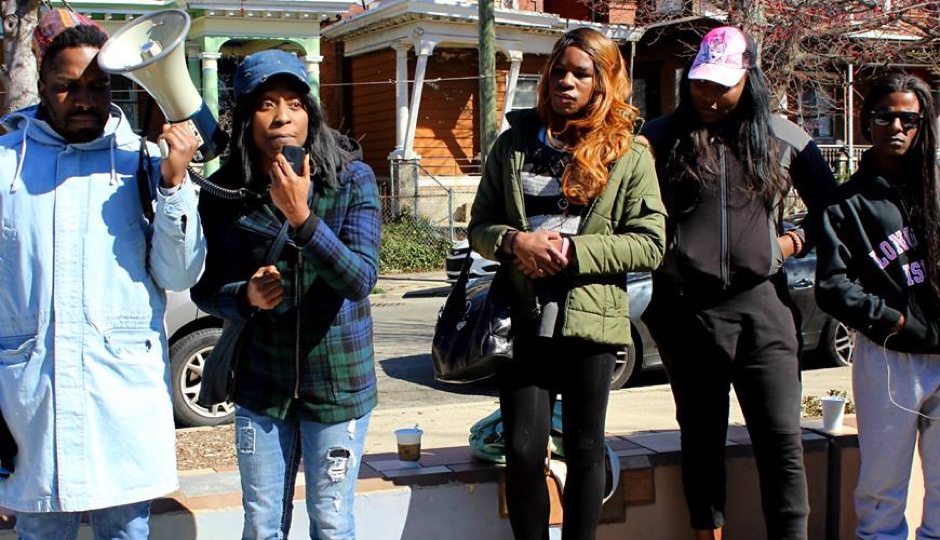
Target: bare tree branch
19,73
805,45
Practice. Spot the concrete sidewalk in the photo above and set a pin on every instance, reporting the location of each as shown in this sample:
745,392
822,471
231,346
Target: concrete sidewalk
630,409
451,491
648,408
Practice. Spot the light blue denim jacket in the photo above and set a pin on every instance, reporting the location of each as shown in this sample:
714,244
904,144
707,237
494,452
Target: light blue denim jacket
84,381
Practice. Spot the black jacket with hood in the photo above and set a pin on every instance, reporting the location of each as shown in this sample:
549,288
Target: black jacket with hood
721,238
871,265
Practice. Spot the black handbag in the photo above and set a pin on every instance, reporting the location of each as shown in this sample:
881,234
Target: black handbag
8,450
218,373
473,334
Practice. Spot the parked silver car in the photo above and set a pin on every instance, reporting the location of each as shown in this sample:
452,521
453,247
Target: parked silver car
821,334
192,335
479,266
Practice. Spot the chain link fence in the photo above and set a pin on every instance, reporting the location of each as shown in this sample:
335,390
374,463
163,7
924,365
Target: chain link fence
413,194
421,218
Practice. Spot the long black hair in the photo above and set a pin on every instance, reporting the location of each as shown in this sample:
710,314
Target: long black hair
692,161
918,181
324,146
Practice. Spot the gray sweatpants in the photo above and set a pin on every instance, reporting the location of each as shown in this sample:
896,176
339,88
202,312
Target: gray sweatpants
887,434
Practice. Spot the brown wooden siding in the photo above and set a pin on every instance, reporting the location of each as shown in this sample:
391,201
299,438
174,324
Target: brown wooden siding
447,133
370,111
447,136
331,74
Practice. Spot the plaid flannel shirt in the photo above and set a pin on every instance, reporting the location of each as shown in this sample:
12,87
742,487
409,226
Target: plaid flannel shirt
316,359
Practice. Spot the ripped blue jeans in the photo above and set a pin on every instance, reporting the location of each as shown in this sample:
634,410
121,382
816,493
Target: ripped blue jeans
269,456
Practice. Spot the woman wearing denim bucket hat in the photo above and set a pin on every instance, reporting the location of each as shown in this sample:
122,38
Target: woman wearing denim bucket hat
720,310
305,382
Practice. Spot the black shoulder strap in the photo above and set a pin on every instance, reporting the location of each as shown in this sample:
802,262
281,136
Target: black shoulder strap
278,245
145,167
275,250
144,175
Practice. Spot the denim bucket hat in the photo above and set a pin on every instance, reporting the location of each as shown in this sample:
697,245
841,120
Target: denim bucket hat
261,66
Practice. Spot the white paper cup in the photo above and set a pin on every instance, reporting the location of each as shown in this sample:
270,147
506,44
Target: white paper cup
409,445
833,409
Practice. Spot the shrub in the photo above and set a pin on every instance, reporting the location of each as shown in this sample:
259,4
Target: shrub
412,245
812,406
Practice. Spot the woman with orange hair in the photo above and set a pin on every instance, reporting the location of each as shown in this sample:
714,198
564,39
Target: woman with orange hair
570,200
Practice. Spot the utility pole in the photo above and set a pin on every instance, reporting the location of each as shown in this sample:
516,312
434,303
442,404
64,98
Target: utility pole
487,77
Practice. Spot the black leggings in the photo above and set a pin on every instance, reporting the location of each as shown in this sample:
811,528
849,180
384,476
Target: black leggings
540,370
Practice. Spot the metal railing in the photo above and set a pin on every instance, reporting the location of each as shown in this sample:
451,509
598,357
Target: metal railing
837,155
451,165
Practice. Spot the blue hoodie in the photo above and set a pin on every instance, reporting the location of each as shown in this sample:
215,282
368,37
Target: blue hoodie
84,382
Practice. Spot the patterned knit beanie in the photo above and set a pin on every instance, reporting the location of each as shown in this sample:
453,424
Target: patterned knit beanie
54,22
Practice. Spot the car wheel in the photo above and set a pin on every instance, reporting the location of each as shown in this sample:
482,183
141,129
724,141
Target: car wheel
623,368
187,358
839,341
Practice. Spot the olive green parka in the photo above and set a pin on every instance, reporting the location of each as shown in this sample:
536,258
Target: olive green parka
622,231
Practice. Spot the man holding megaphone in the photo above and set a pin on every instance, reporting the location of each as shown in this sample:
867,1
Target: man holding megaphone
83,373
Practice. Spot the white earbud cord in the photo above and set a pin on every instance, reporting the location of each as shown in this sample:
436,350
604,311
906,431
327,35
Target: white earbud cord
884,353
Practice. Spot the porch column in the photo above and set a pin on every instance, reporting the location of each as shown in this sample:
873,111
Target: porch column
515,65
850,117
313,73
423,48
401,98
210,95
193,64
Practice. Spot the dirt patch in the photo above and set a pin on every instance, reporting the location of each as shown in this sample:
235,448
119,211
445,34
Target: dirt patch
205,448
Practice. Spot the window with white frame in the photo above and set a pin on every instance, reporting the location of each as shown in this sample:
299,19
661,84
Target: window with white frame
817,113
527,92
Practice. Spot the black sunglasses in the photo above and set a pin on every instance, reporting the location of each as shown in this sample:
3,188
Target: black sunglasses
909,120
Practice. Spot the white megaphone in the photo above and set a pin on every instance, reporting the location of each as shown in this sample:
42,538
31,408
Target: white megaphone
149,51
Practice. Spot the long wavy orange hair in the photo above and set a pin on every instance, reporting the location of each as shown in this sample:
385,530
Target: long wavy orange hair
604,130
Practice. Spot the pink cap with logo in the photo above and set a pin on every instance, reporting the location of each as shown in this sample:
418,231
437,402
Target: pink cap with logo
723,57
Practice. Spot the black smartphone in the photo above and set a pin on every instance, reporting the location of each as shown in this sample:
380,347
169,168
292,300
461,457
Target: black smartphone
295,155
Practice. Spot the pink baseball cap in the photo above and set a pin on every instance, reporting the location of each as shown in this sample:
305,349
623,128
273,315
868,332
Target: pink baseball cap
723,57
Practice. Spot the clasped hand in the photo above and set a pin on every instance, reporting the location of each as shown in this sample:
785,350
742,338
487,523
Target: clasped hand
538,254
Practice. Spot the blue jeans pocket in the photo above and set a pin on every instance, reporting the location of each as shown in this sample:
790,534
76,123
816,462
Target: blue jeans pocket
244,435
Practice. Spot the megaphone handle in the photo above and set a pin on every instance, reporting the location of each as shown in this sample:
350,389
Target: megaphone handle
164,148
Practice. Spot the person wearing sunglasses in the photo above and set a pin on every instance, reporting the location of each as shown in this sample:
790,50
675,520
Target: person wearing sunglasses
885,118
877,271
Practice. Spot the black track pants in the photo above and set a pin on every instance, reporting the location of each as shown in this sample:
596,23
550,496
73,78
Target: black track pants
748,341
